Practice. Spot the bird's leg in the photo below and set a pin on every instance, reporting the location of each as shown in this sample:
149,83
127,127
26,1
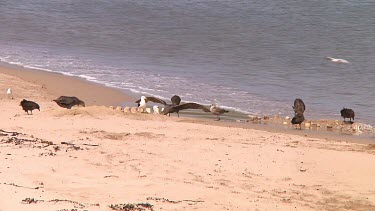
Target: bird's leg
178,114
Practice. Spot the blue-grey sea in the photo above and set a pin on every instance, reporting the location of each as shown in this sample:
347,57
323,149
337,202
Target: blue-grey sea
255,56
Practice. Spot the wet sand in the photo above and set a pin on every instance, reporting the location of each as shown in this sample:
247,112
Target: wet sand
89,158
57,84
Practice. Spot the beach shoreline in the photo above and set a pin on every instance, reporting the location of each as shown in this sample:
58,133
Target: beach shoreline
56,84
100,158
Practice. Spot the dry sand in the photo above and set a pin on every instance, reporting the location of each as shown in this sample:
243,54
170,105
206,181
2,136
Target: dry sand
93,157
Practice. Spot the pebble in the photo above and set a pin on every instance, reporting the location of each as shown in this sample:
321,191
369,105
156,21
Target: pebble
307,124
134,110
127,109
141,110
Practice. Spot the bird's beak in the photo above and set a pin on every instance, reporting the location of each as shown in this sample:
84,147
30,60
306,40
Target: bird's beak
145,98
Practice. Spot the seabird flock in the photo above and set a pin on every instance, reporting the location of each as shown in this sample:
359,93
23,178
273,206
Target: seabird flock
62,101
176,107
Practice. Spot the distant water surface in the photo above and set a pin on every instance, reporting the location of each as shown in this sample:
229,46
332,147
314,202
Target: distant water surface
255,56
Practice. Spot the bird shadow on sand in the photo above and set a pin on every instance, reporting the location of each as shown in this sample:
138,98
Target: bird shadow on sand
348,122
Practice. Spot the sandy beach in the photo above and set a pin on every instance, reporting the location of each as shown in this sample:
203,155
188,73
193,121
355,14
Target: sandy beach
97,158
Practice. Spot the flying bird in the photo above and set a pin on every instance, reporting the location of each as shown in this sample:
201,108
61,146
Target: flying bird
217,111
9,93
69,102
337,60
176,108
347,113
298,119
299,106
29,106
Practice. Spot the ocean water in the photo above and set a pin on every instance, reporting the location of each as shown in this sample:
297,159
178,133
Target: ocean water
254,56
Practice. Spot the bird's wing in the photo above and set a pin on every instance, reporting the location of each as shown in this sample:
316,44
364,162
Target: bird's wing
304,107
138,101
192,106
156,100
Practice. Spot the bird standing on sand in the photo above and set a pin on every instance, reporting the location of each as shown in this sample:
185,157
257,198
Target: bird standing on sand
69,102
29,106
142,103
299,108
176,108
9,94
347,113
217,111
298,119
343,61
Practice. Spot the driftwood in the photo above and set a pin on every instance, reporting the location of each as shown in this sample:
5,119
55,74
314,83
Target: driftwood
171,201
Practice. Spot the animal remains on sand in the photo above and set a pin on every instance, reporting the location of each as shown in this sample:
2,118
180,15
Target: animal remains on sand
347,113
299,108
217,111
29,106
69,102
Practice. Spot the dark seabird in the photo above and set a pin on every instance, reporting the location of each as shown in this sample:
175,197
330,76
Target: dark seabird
298,119
347,113
29,106
176,100
176,108
69,102
299,106
217,111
